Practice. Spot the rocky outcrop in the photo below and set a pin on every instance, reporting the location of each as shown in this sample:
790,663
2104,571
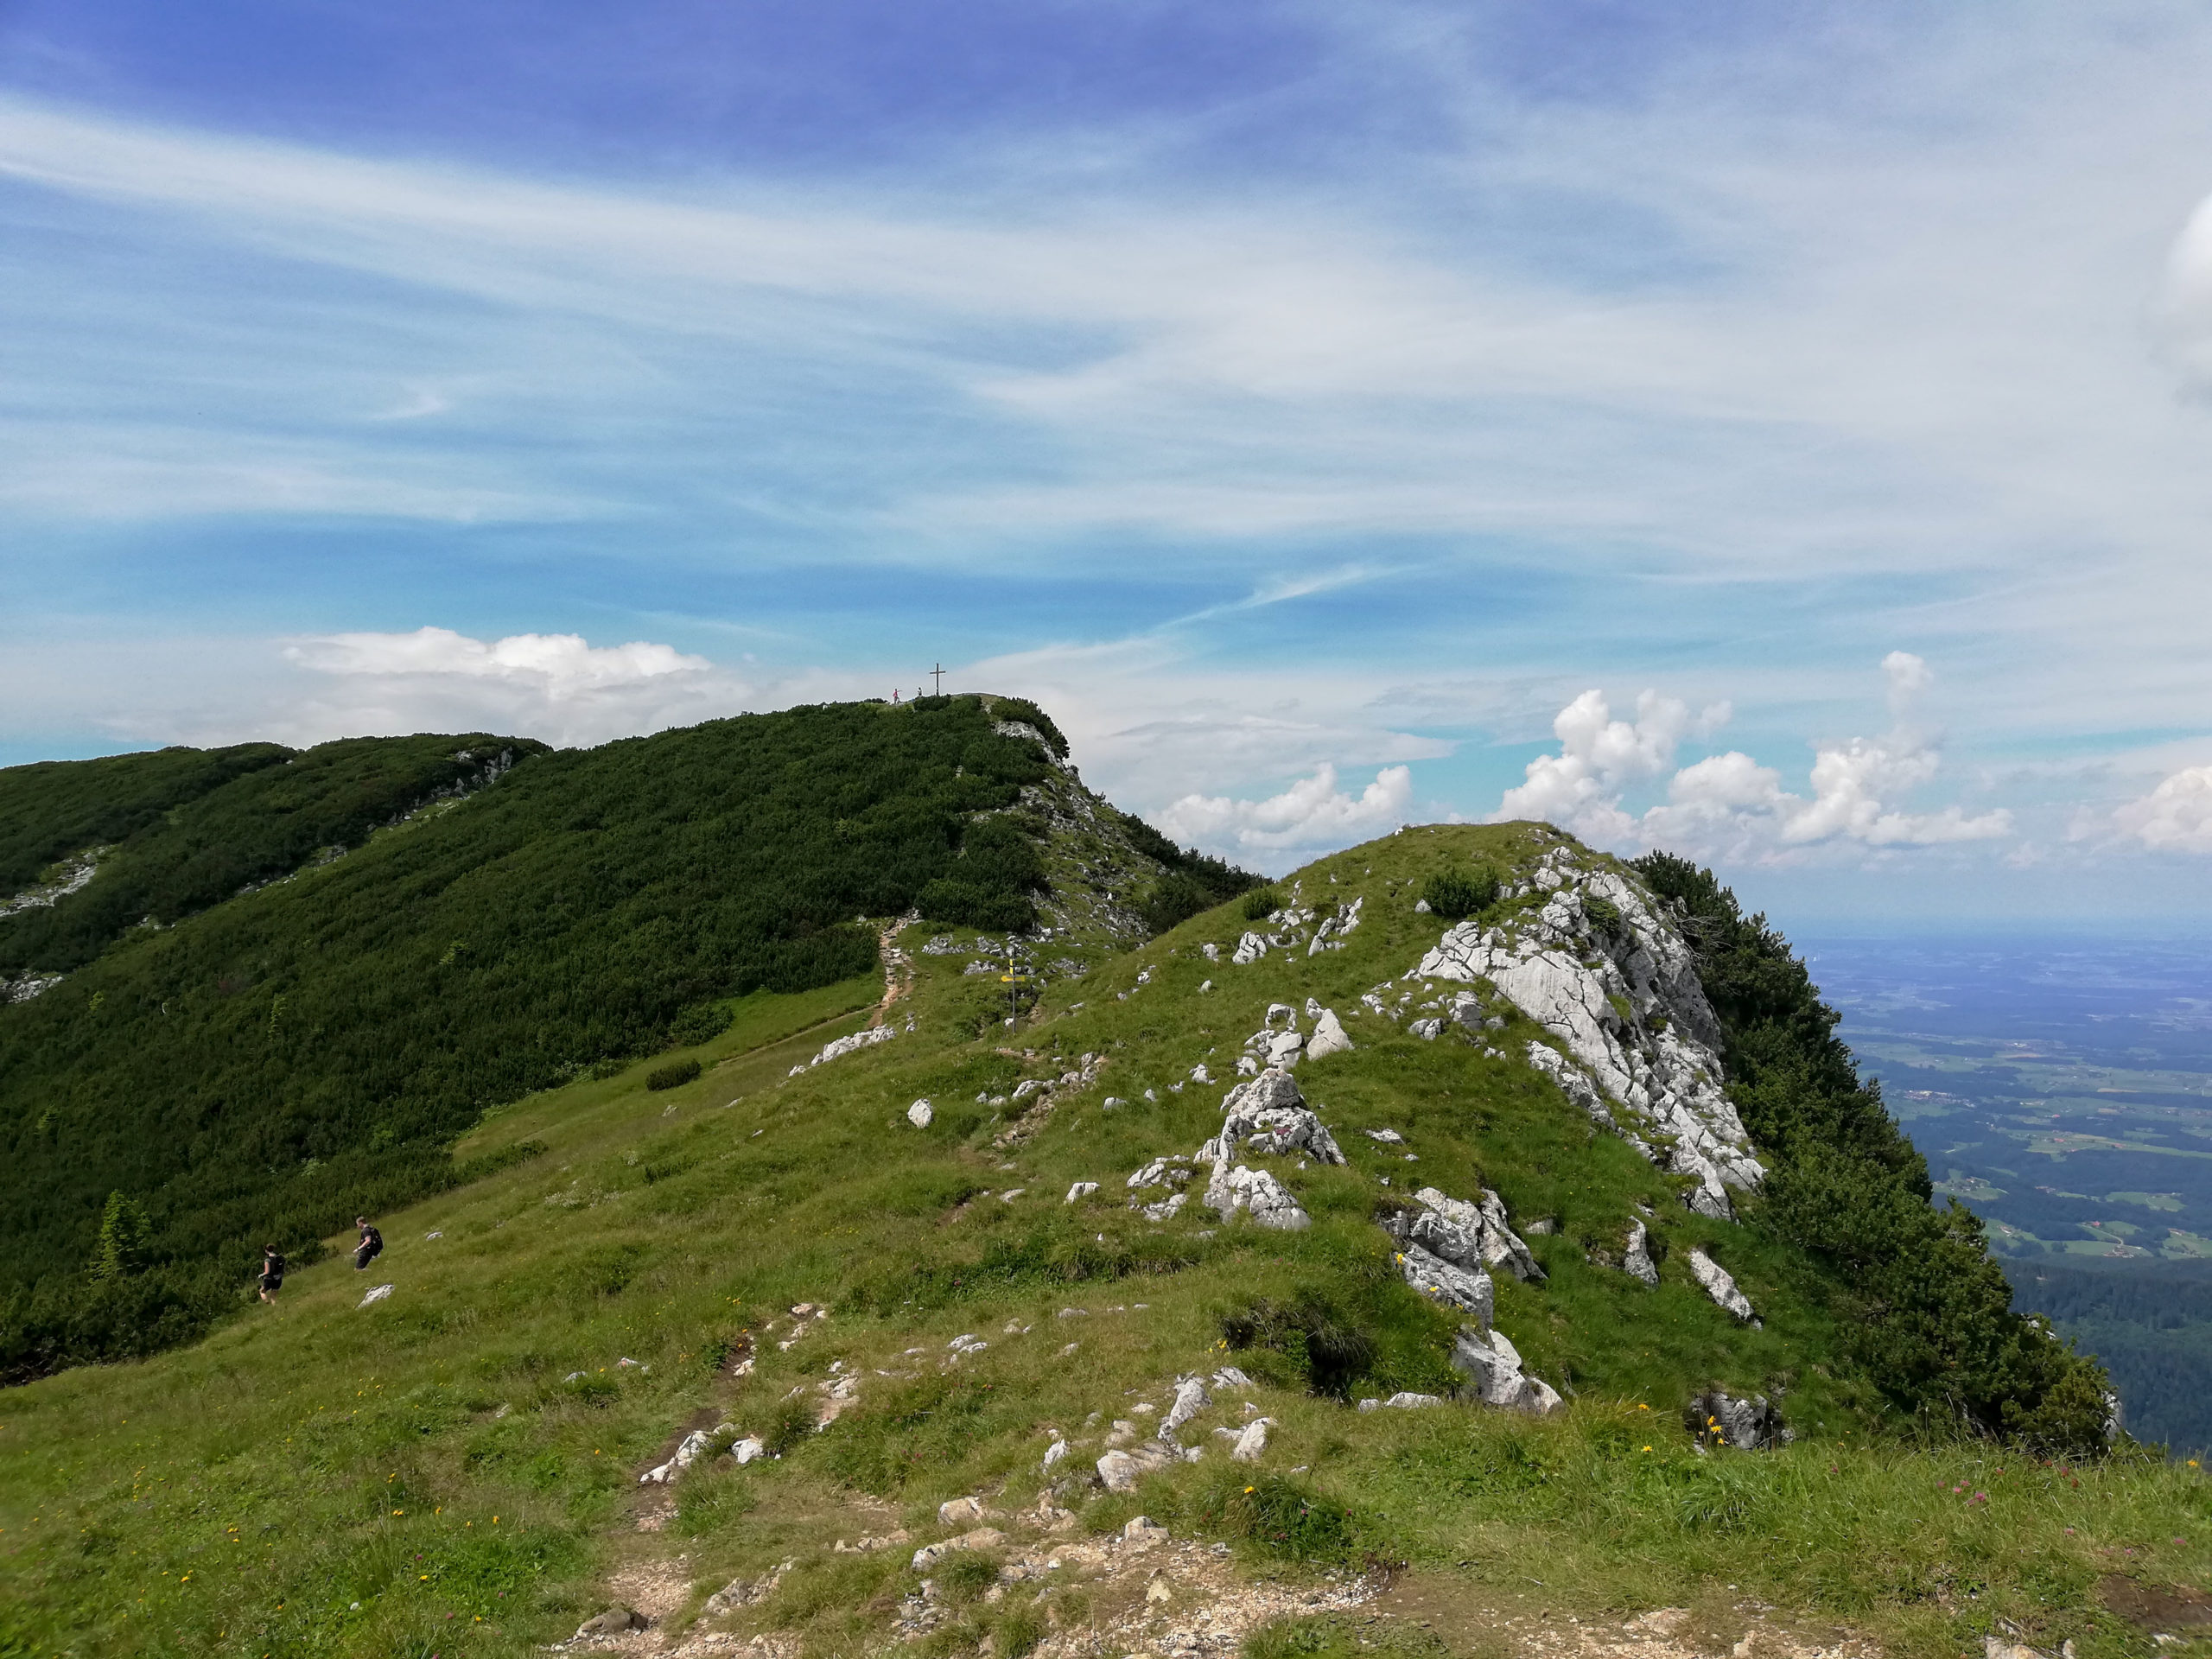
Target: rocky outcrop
1632,1040
1447,1282
1328,1037
1717,1418
1474,1236
1256,1192
837,1048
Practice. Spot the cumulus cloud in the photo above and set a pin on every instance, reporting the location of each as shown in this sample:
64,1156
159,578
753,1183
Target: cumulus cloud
1312,813
1579,788
2176,817
557,686
1729,806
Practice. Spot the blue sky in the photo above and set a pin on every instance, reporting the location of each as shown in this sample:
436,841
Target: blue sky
1313,406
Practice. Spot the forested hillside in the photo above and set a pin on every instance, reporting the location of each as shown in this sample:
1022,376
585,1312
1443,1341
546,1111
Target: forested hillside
255,1065
2148,1324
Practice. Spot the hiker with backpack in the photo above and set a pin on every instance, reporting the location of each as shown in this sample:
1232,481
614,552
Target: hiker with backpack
372,1244
272,1272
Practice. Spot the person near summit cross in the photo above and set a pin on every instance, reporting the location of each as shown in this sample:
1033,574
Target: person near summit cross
372,1244
272,1272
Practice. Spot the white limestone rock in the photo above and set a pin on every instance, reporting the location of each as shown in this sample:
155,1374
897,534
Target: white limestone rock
1122,1470
920,1115
1720,1286
1636,1257
1404,1400
749,1450
1239,1187
1388,1137
1081,1190
1496,1244
1190,1399
1328,1037
1251,1441
1625,1005
1161,1172
981,1538
1447,1282
1492,1367
1250,949
837,1048
375,1296
1166,1209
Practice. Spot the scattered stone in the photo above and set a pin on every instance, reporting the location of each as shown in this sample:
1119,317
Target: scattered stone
1404,1400
1719,1285
749,1449
695,1445
383,1291
1054,1453
1427,1030
1230,1376
1081,1190
1161,1172
960,1510
1166,1209
981,1538
837,1048
1250,949
1388,1137
1140,1530
920,1113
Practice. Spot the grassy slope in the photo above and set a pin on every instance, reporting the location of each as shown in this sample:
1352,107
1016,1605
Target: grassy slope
317,1455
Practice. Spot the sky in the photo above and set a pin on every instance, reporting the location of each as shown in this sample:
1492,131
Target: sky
1782,435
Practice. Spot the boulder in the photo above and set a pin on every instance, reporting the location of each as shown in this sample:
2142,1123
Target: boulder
751,1447
1328,1037
1122,1470
1250,949
1141,1530
1081,1190
1717,1418
615,1621
1447,1282
919,1114
1720,1286
961,1511
1492,1368
1251,1442
1284,1049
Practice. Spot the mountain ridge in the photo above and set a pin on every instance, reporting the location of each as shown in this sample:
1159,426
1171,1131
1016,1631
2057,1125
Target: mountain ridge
1068,1237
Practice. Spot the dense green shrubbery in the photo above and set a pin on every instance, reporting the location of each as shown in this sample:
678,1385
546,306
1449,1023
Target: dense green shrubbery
1193,881
55,808
279,1063
265,813
674,1075
1932,1309
1456,894
1261,903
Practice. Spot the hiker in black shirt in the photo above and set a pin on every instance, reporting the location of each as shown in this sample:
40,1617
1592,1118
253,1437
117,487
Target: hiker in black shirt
272,1273
372,1245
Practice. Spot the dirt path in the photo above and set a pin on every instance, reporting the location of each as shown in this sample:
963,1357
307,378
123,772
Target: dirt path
898,967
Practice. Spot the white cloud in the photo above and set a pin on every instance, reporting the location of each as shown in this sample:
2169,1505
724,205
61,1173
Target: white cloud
2176,817
1579,788
560,665
1312,814
1730,807
554,686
